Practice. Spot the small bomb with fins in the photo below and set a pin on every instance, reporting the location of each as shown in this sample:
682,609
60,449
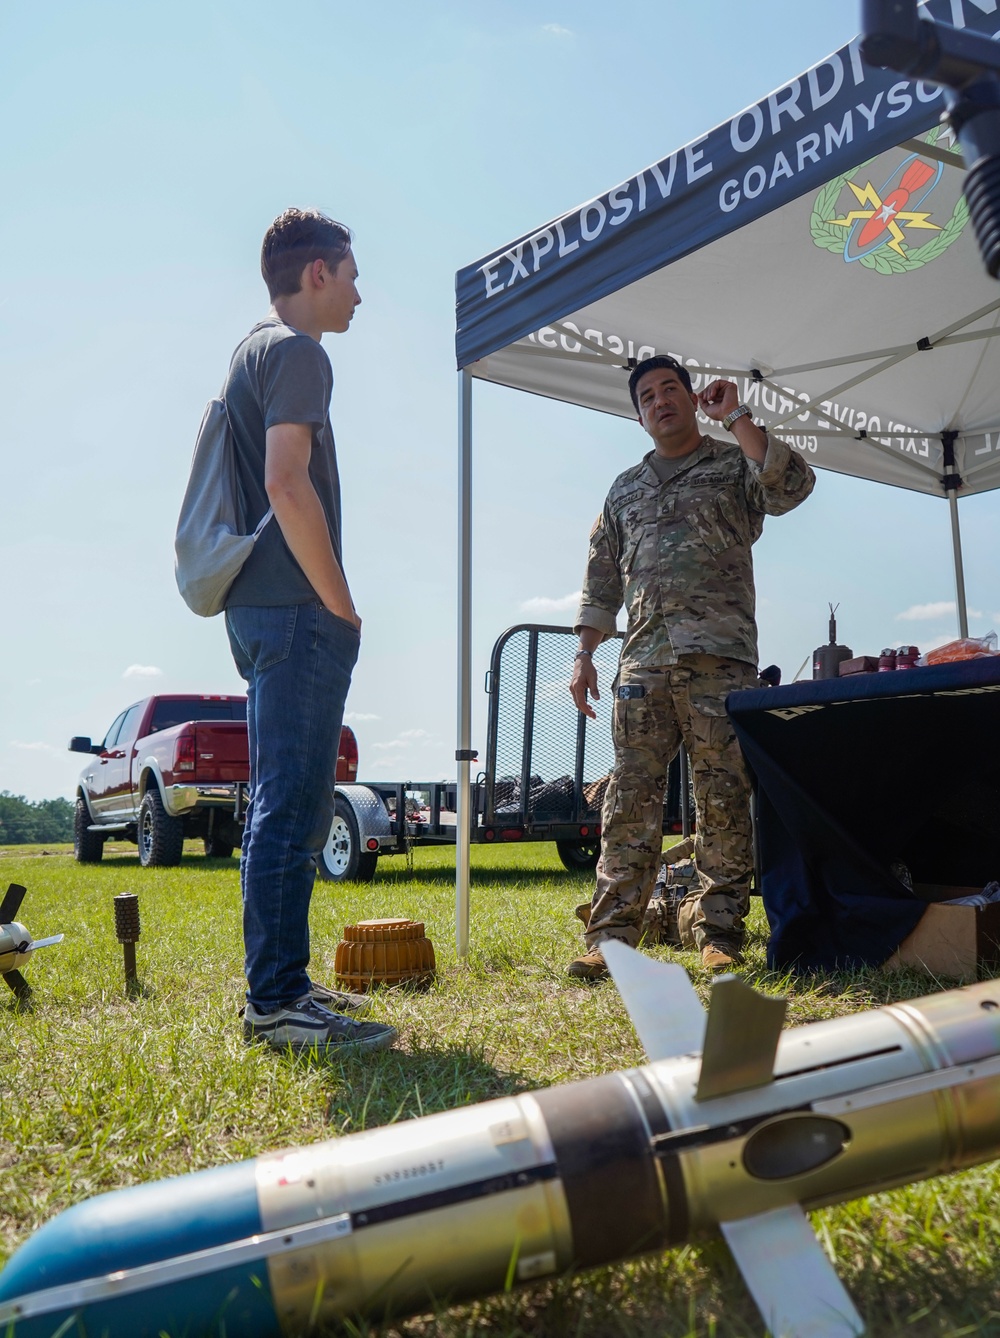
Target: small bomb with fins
733,1127
16,943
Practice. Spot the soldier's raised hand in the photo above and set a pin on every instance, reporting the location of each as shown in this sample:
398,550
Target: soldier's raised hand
718,399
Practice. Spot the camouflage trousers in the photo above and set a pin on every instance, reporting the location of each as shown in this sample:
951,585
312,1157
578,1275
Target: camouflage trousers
655,710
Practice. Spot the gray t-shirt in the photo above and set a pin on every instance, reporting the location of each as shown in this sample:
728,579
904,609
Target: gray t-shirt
279,375
665,467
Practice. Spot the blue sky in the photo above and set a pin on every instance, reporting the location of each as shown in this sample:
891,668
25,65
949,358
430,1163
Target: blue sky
148,148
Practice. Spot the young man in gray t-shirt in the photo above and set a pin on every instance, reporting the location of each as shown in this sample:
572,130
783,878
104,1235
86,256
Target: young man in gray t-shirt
293,627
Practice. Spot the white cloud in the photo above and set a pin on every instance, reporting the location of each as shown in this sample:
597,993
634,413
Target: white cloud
404,740
548,604
37,747
557,30
554,689
392,761
358,717
142,671
926,612
941,639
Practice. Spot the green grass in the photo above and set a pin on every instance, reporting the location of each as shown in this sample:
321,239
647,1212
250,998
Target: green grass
98,1091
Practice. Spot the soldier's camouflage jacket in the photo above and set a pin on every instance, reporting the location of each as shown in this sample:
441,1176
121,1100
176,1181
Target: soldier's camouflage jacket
677,554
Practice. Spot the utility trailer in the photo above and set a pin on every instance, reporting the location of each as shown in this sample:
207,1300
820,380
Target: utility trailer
546,770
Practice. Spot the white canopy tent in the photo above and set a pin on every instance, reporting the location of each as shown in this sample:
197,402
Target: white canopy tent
815,249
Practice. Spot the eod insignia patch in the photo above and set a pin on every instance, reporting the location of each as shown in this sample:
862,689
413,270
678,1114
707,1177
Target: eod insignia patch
879,225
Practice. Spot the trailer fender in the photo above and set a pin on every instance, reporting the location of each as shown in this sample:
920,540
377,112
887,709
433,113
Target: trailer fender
360,817
369,811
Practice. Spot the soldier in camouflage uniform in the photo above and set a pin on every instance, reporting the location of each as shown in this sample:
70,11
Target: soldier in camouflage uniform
673,546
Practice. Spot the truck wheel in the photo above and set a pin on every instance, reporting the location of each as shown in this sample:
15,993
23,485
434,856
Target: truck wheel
579,856
342,860
88,847
216,848
161,837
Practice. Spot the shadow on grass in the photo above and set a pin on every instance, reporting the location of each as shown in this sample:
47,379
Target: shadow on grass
491,876
389,872
371,1091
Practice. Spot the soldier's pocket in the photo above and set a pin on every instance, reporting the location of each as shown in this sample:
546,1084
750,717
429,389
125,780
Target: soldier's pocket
713,526
631,546
630,717
621,807
710,723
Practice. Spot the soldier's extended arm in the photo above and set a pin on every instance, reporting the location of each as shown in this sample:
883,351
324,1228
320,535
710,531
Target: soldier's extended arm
777,478
781,482
601,599
602,593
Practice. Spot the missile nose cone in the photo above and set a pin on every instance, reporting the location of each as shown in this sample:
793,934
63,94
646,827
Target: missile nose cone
141,1226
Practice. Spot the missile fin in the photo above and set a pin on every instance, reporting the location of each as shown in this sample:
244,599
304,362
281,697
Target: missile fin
660,999
18,984
11,903
44,942
741,1039
792,1282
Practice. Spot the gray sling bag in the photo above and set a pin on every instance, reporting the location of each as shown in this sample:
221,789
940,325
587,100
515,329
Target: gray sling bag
210,547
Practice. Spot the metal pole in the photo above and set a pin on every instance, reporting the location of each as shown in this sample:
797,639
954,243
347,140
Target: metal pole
956,543
463,753
685,787
951,482
528,726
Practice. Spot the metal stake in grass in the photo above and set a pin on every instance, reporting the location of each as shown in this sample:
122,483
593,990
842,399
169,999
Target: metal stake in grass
127,933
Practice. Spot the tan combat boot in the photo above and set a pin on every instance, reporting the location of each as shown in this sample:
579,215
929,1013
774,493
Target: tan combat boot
719,957
591,966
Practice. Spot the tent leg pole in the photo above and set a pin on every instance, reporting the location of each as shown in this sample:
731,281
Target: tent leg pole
463,806
956,543
952,481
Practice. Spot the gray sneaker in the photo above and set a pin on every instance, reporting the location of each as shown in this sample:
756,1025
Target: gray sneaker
306,1026
339,1002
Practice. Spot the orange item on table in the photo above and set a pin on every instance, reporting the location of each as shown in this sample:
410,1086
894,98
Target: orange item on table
964,648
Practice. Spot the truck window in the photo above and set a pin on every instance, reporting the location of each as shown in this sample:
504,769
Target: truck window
130,726
166,714
112,734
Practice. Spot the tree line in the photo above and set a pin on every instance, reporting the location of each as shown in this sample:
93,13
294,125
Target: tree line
23,822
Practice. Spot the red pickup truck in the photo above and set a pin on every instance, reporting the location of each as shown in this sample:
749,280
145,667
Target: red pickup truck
170,768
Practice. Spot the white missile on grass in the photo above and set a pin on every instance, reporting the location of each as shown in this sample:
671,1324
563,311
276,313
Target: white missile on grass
733,1127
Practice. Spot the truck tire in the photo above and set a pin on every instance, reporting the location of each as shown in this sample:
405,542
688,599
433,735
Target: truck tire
579,856
88,847
161,837
217,848
342,860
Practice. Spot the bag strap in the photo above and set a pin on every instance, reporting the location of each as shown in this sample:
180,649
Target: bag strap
222,396
263,521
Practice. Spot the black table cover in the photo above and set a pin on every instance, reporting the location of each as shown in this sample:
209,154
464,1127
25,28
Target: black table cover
856,775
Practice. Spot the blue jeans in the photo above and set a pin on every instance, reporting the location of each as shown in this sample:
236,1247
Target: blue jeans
297,662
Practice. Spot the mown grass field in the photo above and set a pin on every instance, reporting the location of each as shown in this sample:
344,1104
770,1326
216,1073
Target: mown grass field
98,1090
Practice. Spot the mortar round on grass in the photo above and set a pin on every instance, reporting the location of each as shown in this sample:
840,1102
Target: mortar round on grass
384,952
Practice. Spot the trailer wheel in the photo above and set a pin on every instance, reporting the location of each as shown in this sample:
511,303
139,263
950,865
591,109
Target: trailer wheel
161,837
579,856
342,860
88,847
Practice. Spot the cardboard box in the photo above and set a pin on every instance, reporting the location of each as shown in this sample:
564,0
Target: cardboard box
955,941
